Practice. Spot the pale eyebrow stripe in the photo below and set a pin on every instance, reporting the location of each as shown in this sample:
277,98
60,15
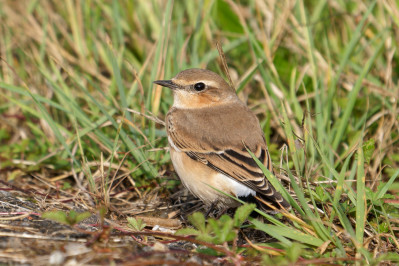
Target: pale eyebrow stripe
210,83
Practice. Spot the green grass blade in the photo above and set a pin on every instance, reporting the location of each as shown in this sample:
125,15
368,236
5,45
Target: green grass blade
381,192
313,219
271,230
340,181
343,123
360,198
23,92
272,179
287,233
291,142
346,56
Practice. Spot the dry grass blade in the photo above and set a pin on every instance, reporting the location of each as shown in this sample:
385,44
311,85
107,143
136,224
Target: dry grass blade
224,64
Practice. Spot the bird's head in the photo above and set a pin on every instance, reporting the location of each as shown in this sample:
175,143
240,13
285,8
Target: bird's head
196,88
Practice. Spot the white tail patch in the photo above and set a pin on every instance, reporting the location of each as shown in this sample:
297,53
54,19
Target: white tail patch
237,188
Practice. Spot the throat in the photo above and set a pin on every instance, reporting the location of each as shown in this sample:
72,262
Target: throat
186,100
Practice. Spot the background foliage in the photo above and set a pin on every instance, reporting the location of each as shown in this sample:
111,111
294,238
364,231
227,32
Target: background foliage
322,76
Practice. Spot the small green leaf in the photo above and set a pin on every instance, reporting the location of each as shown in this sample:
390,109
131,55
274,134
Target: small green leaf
390,256
294,251
321,194
213,226
242,214
58,216
198,221
82,216
207,238
383,227
70,218
15,174
136,224
66,186
226,233
103,211
208,251
368,150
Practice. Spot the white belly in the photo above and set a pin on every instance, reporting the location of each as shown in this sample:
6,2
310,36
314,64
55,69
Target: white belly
202,181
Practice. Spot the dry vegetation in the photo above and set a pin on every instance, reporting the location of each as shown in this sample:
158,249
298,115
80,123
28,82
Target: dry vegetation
82,144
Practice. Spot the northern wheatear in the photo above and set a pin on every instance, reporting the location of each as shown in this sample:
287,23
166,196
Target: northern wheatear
209,131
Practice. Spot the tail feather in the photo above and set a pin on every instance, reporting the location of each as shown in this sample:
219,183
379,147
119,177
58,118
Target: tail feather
273,203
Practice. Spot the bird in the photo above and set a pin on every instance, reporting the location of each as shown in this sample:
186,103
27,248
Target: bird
210,131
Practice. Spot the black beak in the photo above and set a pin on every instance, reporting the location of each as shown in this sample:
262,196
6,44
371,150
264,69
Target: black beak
167,83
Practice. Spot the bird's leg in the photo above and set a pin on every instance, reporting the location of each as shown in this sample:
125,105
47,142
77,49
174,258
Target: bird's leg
211,208
221,212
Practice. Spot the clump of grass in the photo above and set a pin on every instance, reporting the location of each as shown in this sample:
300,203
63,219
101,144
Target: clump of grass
322,77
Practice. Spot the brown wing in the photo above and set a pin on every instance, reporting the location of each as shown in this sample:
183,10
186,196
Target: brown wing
219,137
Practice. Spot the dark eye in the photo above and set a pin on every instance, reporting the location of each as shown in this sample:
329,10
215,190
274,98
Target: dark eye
199,86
